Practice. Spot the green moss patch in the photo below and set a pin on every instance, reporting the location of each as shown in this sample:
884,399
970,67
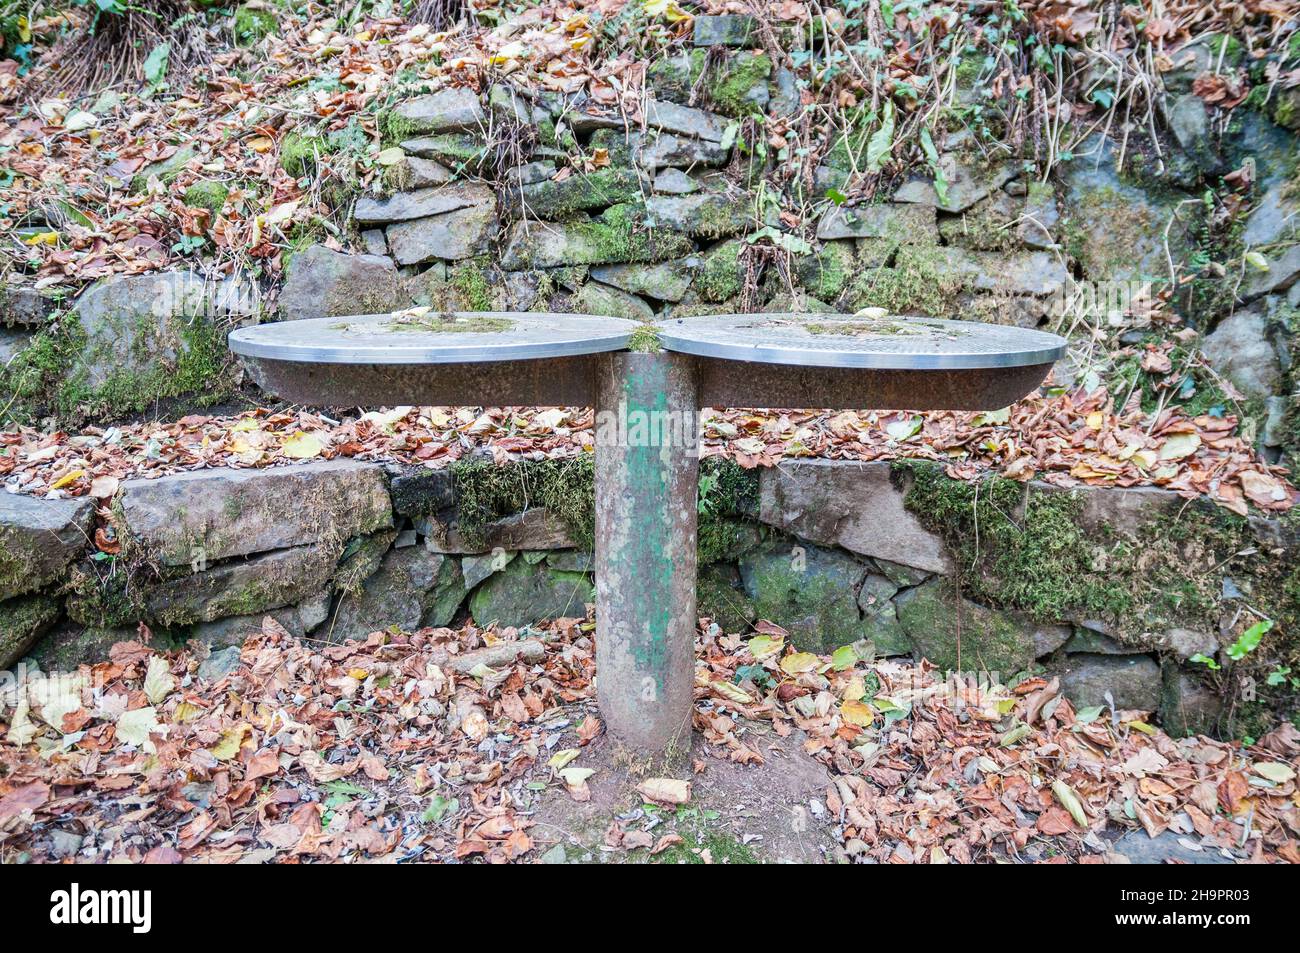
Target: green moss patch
485,492
252,24
21,621
1029,549
299,153
644,340
918,282
446,321
210,195
719,276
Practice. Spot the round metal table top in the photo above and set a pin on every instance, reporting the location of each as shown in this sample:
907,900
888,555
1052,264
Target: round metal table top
426,336
855,341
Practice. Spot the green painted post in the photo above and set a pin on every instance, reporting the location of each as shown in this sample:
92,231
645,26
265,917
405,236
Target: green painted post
647,469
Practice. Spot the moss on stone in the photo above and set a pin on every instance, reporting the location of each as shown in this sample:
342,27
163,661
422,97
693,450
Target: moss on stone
810,591
719,276
22,619
730,89
470,281
986,227
198,370
208,194
29,379
252,24
722,538
558,200
728,489
620,235
299,152
719,596
394,128
106,593
645,340
958,635
917,283
1286,109
1028,549
460,151
825,273
727,89
485,492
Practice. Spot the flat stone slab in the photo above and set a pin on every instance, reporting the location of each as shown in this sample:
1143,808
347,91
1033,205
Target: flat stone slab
38,538
852,341
433,338
216,514
852,505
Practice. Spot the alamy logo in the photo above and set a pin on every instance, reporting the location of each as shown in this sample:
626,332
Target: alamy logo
77,906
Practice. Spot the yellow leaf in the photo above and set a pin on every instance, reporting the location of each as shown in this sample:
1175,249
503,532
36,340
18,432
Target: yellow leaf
561,759
731,692
67,478
261,144
1145,459
134,727
576,777
360,674
1275,771
798,662
1180,445
856,690
857,713
281,213
665,790
845,657
764,646
227,745
1095,420
301,446
43,238
185,712
668,9
1142,726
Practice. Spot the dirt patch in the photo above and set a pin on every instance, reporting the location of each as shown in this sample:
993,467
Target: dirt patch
768,813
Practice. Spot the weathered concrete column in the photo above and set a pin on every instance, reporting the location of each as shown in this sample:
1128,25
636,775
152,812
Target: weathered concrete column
647,468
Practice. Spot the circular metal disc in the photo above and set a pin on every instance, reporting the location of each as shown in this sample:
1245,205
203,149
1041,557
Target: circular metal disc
432,338
843,340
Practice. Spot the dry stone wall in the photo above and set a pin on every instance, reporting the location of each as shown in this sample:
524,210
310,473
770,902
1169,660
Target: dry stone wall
837,553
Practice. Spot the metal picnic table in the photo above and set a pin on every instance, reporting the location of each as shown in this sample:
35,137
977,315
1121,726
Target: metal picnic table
647,432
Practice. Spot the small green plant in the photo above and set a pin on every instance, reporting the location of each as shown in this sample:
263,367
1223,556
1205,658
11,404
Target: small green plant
757,674
1249,640
1280,676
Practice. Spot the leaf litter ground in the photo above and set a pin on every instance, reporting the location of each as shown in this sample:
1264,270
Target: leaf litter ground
482,745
